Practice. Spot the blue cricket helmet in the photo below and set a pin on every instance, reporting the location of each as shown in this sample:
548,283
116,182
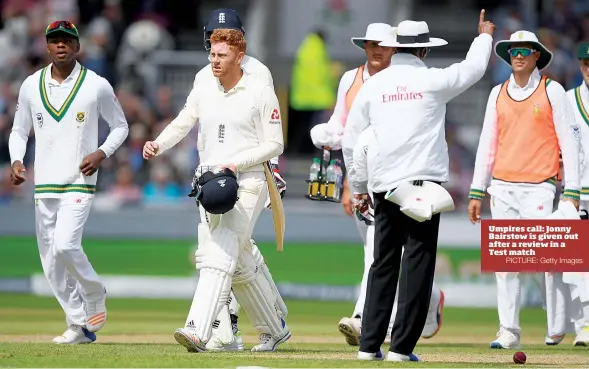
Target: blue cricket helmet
216,191
221,18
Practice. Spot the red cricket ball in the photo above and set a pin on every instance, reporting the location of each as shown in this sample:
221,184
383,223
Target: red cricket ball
519,358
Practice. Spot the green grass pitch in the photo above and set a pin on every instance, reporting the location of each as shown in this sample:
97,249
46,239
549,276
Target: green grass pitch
139,333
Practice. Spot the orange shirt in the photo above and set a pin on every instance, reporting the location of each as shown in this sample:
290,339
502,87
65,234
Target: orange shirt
353,91
527,145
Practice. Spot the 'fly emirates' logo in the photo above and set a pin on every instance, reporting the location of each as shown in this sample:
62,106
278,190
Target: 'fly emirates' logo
402,95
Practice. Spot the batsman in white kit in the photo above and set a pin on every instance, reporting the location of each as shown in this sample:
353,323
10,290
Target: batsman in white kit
330,135
240,131
226,335
62,103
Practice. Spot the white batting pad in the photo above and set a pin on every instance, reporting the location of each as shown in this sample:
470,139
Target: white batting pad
255,294
233,304
216,260
222,326
259,259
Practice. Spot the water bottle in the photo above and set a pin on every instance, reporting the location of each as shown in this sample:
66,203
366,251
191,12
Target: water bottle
313,187
331,180
339,180
314,172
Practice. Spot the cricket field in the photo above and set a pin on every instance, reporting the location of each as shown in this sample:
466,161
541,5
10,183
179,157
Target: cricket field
139,332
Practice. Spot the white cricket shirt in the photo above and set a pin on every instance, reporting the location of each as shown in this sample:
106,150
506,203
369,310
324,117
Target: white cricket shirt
242,126
65,121
578,99
406,106
564,125
249,65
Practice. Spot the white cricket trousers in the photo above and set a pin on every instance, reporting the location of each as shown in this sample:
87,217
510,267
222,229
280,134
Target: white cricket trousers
516,202
73,280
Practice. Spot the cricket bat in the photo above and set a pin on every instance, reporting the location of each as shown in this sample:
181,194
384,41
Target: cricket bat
276,207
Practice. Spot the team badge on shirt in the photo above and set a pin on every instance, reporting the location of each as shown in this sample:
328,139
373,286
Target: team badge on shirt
275,117
536,109
80,117
576,131
39,117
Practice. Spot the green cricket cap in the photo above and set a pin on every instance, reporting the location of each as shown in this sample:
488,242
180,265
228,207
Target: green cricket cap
583,51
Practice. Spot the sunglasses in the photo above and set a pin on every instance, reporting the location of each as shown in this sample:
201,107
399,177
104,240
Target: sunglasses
523,51
61,24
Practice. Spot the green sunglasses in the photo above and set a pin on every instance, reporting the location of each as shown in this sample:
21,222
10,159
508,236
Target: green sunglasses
523,51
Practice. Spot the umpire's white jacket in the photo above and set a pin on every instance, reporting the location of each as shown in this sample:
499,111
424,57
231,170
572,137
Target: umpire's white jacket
406,106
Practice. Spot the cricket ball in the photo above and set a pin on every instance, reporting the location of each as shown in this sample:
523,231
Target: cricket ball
519,358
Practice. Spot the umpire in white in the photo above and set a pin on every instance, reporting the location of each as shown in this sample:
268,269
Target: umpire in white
405,105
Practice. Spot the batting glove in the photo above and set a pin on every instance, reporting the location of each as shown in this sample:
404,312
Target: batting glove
280,184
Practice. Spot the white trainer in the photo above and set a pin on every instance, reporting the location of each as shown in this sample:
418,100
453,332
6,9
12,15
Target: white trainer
95,314
351,329
554,340
268,343
434,317
215,344
75,334
370,356
188,339
393,356
582,338
506,340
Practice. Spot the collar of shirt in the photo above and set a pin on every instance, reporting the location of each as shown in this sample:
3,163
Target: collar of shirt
70,79
241,84
535,78
584,92
365,74
407,59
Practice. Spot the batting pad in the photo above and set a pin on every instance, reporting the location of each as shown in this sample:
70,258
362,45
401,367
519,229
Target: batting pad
216,260
259,259
255,295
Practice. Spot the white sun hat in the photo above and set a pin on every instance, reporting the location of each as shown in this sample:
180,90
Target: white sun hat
375,32
413,34
523,37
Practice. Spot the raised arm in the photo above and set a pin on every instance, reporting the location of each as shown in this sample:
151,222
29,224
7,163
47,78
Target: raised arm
454,80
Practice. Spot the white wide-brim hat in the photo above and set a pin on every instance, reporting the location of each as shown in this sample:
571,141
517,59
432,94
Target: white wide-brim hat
413,34
375,32
523,37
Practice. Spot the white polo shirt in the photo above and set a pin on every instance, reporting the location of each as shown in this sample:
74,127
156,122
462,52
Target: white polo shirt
65,121
242,126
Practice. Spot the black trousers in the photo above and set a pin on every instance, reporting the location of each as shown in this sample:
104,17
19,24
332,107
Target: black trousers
393,231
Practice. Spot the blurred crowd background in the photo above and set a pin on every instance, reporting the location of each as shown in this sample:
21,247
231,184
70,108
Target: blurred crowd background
120,36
